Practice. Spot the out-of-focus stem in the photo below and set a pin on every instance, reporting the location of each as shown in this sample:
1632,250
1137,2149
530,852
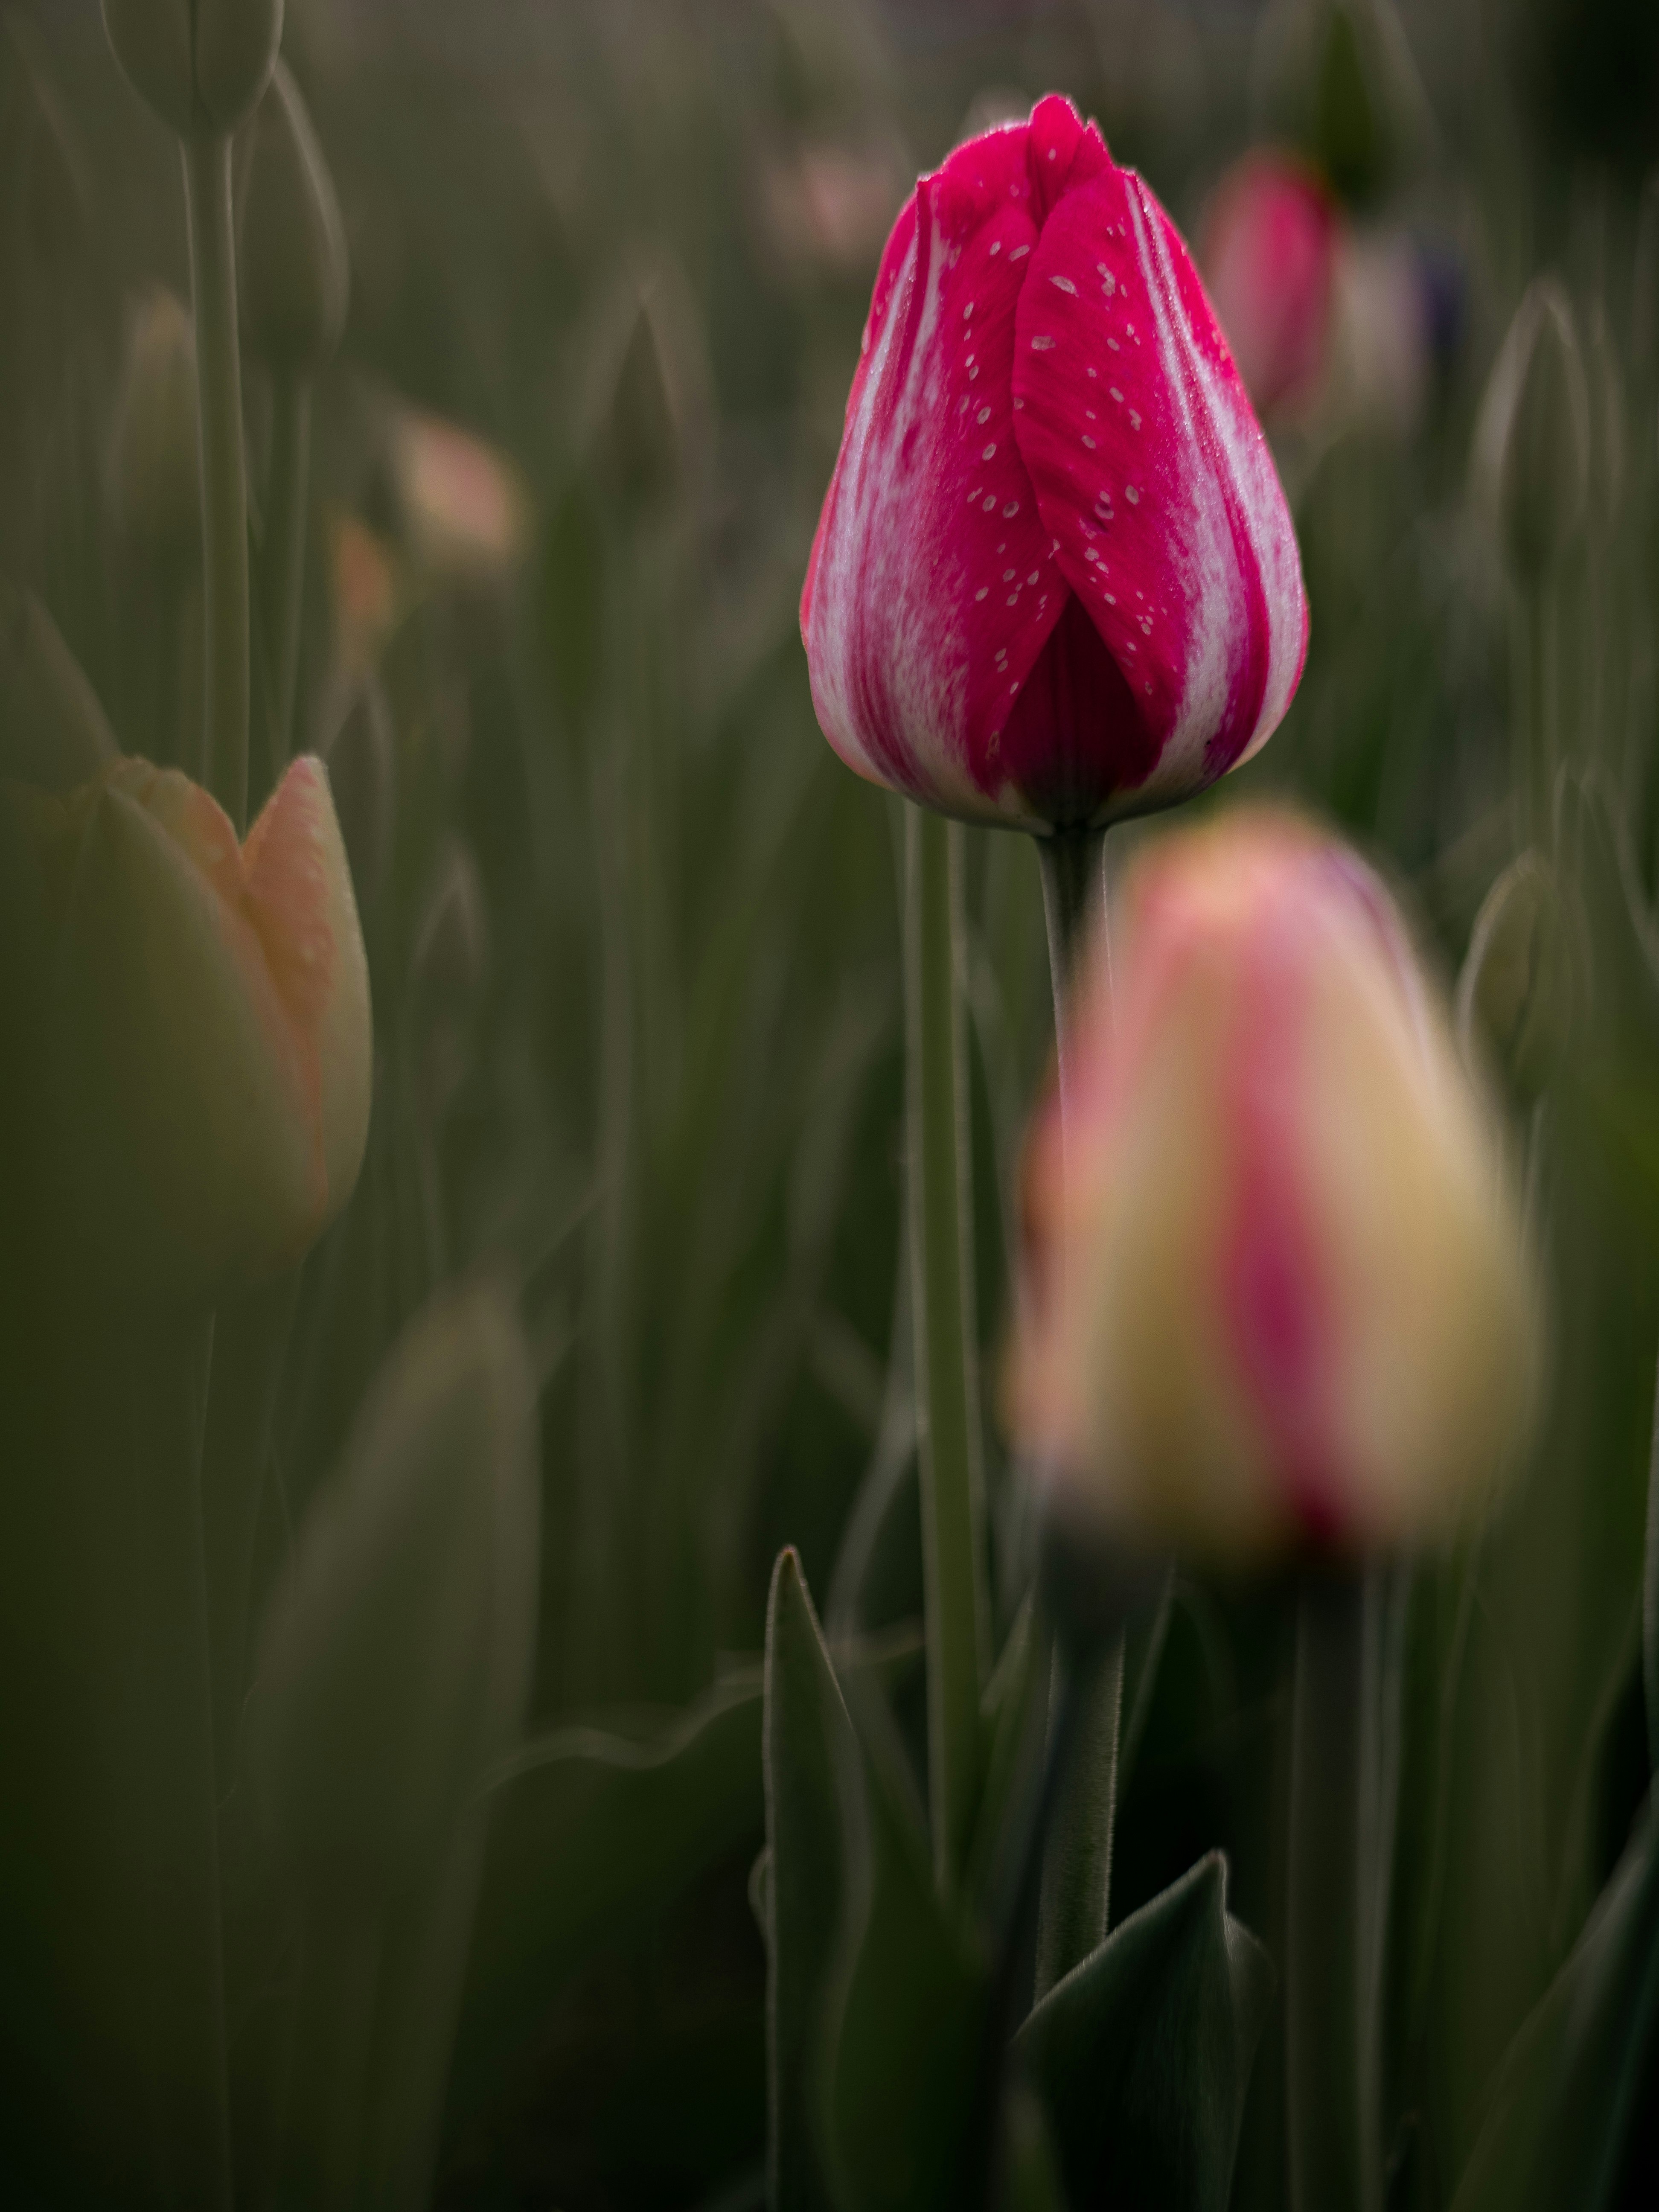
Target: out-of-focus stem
224,486
1074,1908
1535,617
1650,1604
947,1379
1322,1952
284,561
167,1573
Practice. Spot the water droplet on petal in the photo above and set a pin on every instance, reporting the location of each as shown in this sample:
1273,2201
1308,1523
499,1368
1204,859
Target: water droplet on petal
983,416
1011,510
1061,284
990,451
1042,345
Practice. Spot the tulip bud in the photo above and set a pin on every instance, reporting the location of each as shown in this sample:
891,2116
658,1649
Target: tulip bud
1055,579
1516,996
450,965
293,264
643,434
201,64
155,477
52,731
1532,441
395,1660
210,1042
47,169
1269,256
462,504
362,771
1278,1288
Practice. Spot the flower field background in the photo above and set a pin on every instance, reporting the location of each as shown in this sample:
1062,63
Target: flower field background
636,1150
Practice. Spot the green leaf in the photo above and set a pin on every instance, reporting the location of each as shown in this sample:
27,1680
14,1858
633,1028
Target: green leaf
593,1836
808,1740
1567,2094
906,2013
1142,2054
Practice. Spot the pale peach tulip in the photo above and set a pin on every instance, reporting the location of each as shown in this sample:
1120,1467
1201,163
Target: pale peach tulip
210,1046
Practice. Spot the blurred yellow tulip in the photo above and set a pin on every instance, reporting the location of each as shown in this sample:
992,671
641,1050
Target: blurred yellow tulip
209,1051
1278,1289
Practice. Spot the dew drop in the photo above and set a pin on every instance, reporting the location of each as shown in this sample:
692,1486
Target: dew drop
983,592
990,451
983,416
1117,395
1113,344
1131,495
1134,420
1088,441
1042,345
1019,252
1013,599
1062,283
967,311
990,503
1032,578
1007,575
996,246
1011,510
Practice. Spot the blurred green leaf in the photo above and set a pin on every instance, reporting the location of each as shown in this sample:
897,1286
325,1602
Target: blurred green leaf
1143,2053
1571,2086
593,1835
808,1741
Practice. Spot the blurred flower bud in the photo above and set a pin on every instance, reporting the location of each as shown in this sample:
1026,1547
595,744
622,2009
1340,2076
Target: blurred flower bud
366,591
447,973
210,1041
155,477
1279,1291
1337,78
464,505
1589,71
1516,996
52,731
1268,254
395,1660
293,265
642,435
201,64
45,166
362,769
834,205
1532,441
1381,334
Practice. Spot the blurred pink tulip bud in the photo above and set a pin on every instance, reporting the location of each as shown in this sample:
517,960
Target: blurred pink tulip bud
464,506
1055,579
211,1042
1270,253
1279,1291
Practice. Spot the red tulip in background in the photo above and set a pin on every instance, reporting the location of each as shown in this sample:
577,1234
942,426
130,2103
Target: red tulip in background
1269,254
1055,581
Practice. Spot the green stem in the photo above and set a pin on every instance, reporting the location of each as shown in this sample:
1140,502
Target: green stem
1650,1604
325,2131
947,1379
224,486
167,1575
284,558
1535,617
1074,1910
1322,1951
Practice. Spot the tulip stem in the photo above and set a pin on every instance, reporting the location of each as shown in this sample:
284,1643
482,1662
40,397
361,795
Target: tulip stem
1323,1997
1074,1911
224,485
177,1829
946,1364
1073,864
284,555
1650,1601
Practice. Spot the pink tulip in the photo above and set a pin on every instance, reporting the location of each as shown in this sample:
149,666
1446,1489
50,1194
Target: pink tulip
1269,254
1054,581
1277,1286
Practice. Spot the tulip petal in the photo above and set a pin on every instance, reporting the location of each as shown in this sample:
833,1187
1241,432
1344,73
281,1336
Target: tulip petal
932,589
1153,476
300,902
